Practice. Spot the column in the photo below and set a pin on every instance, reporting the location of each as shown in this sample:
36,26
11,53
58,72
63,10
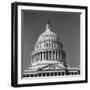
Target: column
51,55
48,55
45,56
42,55
55,55
59,56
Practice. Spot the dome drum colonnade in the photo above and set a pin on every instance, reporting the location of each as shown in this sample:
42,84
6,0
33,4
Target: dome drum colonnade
47,55
48,49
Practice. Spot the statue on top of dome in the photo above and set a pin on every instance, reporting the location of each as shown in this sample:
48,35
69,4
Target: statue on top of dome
48,25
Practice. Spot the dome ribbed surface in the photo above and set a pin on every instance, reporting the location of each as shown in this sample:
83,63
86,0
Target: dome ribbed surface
48,35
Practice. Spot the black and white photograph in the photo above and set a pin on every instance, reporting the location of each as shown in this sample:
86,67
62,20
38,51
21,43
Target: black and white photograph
50,47
49,44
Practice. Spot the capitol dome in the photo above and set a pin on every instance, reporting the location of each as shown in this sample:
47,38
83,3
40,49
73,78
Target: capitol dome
48,50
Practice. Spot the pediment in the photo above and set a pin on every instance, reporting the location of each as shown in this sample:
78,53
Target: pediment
52,67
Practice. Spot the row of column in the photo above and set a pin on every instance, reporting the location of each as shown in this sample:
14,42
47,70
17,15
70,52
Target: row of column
48,55
48,44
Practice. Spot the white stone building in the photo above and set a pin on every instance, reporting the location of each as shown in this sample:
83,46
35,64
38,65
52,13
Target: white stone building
48,54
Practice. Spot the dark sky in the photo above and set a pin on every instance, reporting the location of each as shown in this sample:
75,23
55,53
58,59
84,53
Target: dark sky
65,24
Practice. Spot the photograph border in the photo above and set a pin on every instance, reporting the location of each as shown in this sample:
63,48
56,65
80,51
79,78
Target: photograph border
14,43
